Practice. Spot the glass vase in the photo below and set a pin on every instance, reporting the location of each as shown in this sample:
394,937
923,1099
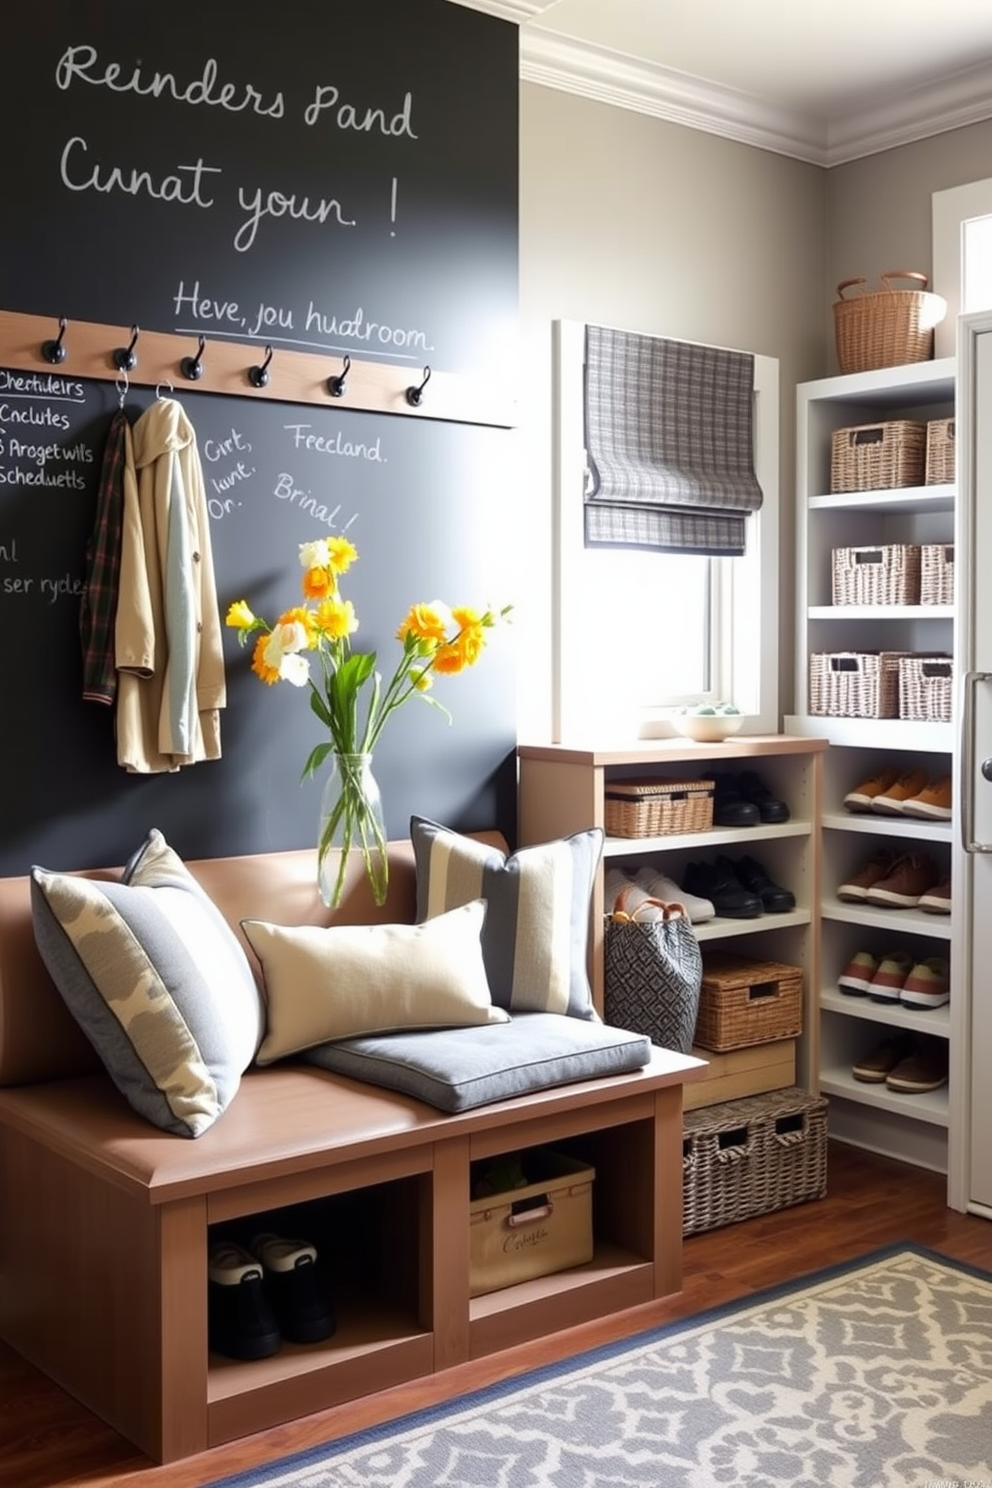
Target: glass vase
351,821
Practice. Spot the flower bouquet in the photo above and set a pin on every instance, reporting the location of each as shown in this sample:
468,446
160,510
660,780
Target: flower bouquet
350,697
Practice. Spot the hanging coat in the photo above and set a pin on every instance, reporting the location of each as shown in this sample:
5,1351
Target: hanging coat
98,609
168,630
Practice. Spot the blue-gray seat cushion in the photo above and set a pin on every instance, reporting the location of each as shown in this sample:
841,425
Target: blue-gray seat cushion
456,1069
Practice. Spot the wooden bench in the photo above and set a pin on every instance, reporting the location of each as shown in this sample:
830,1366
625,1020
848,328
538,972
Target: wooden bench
105,1221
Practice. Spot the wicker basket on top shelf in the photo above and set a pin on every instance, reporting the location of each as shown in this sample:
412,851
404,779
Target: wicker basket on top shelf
888,327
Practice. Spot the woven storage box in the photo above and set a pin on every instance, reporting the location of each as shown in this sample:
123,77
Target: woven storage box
937,573
743,1002
926,687
854,684
878,457
656,808
940,452
531,1231
752,1156
885,575
889,327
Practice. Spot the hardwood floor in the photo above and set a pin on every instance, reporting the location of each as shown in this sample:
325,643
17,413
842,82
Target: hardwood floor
48,1441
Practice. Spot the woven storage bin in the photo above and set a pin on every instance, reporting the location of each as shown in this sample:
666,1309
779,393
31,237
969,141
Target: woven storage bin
884,575
752,1156
526,1232
926,687
937,574
854,684
878,457
940,452
744,1002
889,327
657,808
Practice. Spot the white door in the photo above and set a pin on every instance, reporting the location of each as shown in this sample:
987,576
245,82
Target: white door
974,600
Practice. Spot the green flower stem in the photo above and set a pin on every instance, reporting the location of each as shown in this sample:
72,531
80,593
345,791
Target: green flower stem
355,825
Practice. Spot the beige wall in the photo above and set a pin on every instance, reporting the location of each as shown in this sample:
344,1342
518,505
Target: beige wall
631,221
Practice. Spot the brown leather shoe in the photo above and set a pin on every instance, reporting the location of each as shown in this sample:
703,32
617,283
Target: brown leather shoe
854,889
883,1059
934,802
865,792
905,885
891,802
925,1069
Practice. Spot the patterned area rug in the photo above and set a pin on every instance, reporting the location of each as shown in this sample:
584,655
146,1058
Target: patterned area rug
873,1375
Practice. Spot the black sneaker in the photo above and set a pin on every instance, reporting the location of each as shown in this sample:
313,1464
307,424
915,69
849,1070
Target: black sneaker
718,883
752,875
240,1321
295,1286
754,789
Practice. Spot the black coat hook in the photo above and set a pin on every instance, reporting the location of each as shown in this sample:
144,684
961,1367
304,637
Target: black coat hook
259,376
192,367
124,357
337,386
54,351
415,395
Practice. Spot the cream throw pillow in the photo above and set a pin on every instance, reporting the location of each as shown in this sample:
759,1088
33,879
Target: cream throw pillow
338,983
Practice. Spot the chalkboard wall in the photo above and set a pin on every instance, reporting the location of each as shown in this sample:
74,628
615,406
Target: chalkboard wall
179,176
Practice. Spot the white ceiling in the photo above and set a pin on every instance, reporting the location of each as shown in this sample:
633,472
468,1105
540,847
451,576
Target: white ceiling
824,83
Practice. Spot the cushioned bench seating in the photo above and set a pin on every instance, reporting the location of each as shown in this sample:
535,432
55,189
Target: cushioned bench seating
105,1221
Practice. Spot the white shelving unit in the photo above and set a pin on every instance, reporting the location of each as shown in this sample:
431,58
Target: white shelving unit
915,1128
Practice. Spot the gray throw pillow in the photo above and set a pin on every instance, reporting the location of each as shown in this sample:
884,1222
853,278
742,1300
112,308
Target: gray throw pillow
536,936
158,982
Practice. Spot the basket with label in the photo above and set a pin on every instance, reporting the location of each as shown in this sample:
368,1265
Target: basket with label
878,457
540,1222
752,1156
743,1001
657,808
926,687
937,574
854,684
885,575
940,452
890,327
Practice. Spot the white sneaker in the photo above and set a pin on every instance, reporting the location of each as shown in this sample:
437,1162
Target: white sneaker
660,886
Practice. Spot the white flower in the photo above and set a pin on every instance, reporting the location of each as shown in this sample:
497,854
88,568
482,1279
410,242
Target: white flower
315,554
296,669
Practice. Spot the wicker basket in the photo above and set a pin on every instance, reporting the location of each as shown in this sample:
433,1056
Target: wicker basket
886,328
752,1156
878,457
657,808
937,574
854,684
940,452
926,688
885,575
744,1002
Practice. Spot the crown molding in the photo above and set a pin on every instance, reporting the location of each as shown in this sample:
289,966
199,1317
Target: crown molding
555,61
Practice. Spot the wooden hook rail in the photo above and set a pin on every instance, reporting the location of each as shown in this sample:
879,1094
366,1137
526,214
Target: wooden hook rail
226,367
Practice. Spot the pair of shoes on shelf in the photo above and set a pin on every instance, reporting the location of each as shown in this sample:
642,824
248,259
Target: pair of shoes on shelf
740,890
910,1065
896,881
744,800
897,978
260,1296
623,892
907,793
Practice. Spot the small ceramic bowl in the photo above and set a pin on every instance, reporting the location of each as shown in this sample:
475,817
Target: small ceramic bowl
707,728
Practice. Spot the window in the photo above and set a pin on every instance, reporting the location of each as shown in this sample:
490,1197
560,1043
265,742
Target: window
639,632
962,256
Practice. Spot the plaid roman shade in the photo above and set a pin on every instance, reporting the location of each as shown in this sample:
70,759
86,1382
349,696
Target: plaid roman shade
669,444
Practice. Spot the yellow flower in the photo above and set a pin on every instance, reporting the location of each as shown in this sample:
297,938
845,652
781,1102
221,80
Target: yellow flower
449,659
318,583
269,674
471,639
341,554
305,636
426,622
240,616
336,618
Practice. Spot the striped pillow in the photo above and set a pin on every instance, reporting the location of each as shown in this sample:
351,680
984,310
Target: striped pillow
536,935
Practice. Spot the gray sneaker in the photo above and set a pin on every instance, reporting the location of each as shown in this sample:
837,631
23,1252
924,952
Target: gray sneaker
660,886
